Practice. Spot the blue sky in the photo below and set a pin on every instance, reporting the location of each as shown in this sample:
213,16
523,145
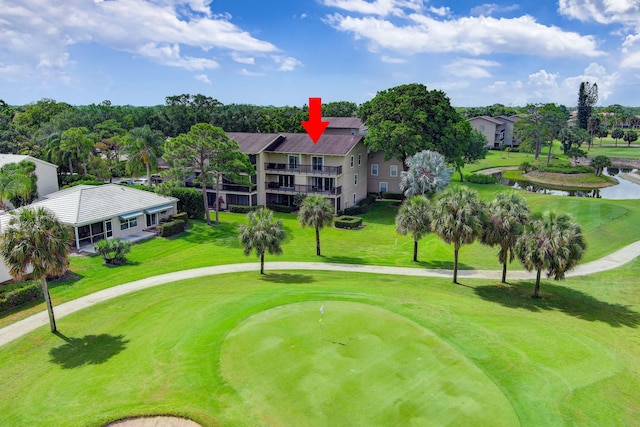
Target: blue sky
283,52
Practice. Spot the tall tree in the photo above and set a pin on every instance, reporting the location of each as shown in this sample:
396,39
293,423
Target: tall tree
407,119
316,212
207,150
143,149
76,142
36,239
507,215
599,163
262,234
426,173
542,123
476,149
414,218
587,98
630,136
617,134
458,217
553,242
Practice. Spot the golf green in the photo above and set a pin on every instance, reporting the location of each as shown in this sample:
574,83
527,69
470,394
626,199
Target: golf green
355,364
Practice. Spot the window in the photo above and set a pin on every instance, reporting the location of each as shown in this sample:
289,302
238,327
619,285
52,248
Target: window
354,198
317,163
359,159
286,181
353,131
481,128
294,162
355,179
351,162
107,225
384,187
128,223
374,170
393,171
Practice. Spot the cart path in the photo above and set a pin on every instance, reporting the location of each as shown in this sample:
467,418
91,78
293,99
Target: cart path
24,326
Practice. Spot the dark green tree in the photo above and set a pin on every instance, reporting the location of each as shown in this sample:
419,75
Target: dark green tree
262,234
587,98
630,136
617,134
407,119
599,163
414,217
316,212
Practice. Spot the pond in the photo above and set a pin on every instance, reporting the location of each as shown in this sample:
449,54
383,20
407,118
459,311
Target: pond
625,189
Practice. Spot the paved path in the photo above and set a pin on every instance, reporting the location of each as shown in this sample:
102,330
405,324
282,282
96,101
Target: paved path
22,327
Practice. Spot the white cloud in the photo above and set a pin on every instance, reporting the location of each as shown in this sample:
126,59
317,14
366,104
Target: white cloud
440,11
489,9
392,60
246,72
249,60
602,11
40,32
286,63
376,7
203,78
470,35
471,68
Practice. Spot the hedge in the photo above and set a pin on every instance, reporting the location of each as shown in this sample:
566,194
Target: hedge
392,196
189,201
481,179
280,208
172,228
182,216
242,208
348,222
16,297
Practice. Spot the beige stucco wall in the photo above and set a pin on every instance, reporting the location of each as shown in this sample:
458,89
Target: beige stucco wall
489,130
347,180
384,173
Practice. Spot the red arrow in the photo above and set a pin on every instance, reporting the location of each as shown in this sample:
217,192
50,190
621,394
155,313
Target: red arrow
315,126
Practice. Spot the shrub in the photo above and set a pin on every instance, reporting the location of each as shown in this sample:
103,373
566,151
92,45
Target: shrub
242,209
189,201
567,169
172,228
182,216
18,294
83,182
280,208
356,210
68,179
113,252
298,199
525,167
481,179
391,196
347,222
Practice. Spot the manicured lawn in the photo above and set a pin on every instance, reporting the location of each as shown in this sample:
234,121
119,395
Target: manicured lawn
606,224
246,350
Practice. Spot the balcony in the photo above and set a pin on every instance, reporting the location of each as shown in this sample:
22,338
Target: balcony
306,169
304,189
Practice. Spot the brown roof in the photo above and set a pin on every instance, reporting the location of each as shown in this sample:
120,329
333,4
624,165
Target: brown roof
343,122
252,143
336,145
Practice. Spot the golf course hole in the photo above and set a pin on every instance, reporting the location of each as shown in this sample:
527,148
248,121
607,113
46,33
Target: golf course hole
355,363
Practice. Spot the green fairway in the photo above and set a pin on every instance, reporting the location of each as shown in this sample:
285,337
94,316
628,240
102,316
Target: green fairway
396,371
245,349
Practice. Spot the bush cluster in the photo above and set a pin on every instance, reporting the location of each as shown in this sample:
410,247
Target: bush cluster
114,251
348,222
83,182
362,207
567,169
391,196
70,179
172,228
280,208
20,293
242,209
189,201
182,216
481,179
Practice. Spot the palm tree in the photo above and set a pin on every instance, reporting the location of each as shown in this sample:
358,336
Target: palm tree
262,234
17,183
144,148
553,242
77,142
458,217
36,239
599,163
507,215
316,211
427,172
414,217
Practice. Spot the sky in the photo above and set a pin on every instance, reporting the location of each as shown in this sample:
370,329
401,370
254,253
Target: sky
282,52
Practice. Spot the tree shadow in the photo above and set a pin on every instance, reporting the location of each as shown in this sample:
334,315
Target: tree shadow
554,297
343,260
224,234
443,265
287,278
88,350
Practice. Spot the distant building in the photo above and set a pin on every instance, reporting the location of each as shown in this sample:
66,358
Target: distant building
498,130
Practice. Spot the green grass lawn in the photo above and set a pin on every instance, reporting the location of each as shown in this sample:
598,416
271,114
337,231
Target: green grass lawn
246,349
606,224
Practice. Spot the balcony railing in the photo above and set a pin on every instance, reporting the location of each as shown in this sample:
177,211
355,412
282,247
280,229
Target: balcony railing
305,189
307,169
224,187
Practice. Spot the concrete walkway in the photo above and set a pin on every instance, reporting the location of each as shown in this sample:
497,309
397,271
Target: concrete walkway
22,327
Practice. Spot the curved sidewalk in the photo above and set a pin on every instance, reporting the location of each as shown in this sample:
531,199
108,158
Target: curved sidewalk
24,326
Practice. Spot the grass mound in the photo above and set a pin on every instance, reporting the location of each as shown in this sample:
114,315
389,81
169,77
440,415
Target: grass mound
396,372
